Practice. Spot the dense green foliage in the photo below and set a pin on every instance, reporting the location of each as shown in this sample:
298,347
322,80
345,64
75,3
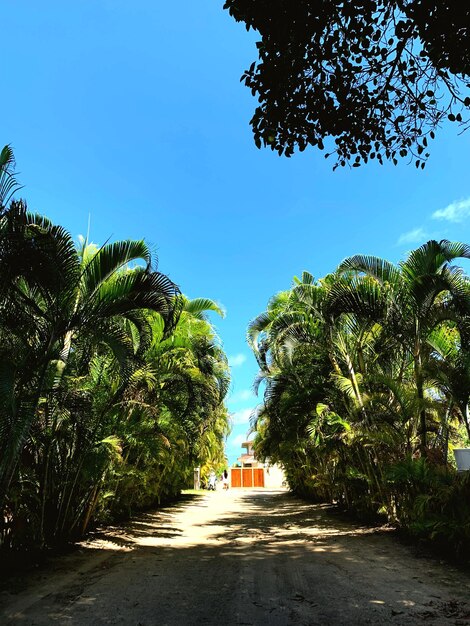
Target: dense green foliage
112,383
376,77
367,384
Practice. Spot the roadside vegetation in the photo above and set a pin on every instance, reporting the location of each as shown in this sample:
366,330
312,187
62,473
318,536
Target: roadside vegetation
366,378
112,382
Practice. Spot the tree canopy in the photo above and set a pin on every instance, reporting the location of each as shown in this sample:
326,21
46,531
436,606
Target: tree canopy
112,383
366,381
376,77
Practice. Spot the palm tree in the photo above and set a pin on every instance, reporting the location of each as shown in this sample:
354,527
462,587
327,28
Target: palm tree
177,399
58,293
408,300
192,368
449,367
111,381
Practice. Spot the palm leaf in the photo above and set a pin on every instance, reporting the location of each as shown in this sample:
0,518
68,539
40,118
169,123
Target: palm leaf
110,259
8,183
257,326
198,306
381,269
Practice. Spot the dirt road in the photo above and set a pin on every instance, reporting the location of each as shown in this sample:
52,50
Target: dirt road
241,558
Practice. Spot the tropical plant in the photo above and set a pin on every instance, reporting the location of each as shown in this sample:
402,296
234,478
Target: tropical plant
112,383
365,376
409,301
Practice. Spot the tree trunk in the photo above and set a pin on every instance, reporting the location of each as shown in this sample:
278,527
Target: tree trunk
422,420
420,392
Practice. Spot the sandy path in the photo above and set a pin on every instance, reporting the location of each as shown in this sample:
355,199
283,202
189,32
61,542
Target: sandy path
242,558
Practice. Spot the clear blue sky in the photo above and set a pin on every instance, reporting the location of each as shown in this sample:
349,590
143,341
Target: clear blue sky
133,112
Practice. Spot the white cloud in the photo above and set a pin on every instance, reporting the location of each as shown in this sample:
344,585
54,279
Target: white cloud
236,360
454,212
241,417
417,235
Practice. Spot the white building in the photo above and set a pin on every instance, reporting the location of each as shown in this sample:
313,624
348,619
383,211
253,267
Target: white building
254,473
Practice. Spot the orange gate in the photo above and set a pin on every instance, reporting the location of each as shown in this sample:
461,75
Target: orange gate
247,477
236,477
258,477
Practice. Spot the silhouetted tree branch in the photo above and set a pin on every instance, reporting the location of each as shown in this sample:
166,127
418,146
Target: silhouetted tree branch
377,77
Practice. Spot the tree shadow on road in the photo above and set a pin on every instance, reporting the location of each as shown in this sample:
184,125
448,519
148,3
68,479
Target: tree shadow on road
273,561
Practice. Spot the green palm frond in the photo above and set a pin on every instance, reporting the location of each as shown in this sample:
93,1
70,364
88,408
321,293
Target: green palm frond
8,183
445,341
198,306
257,326
380,269
346,385
110,259
362,296
431,256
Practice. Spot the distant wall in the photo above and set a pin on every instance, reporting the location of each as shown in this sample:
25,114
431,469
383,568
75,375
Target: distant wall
274,477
